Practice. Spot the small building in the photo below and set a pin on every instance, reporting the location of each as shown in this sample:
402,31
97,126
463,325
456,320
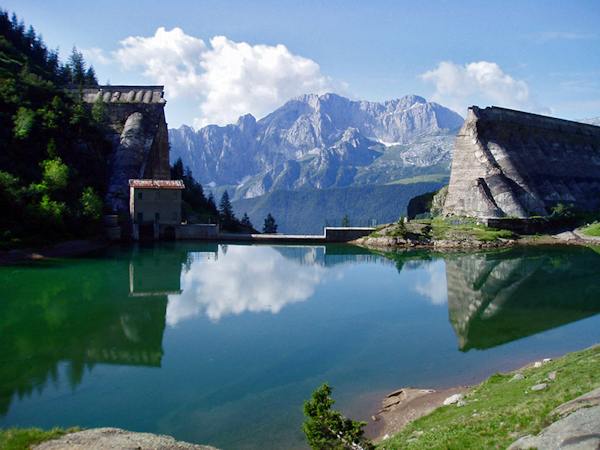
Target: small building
155,208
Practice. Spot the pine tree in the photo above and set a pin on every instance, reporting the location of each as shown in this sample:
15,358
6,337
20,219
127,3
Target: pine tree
228,220
329,430
246,221
270,227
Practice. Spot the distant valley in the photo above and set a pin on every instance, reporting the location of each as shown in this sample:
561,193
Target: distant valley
318,158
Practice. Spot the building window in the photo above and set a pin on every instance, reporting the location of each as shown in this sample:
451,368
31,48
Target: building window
140,196
140,216
157,216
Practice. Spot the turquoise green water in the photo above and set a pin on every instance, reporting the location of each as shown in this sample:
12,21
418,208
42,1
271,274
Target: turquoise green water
221,345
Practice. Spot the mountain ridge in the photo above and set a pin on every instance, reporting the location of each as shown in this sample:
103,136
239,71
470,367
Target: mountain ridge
318,141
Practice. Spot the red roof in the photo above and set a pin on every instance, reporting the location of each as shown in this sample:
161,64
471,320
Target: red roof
157,184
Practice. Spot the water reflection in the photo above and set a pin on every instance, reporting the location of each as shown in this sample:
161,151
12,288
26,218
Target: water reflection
503,296
84,313
247,326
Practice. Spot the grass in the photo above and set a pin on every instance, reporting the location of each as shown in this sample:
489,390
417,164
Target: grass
438,178
592,230
468,229
499,411
25,438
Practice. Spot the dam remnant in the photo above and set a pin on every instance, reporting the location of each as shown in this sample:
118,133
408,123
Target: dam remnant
510,163
136,125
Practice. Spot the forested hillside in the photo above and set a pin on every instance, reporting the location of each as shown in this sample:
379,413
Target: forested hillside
52,152
308,211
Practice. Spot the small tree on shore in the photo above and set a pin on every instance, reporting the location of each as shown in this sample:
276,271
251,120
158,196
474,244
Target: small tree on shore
329,430
270,227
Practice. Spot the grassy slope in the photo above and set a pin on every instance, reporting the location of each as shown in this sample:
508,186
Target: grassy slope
23,439
499,411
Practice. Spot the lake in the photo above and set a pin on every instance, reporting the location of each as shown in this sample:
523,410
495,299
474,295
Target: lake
221,344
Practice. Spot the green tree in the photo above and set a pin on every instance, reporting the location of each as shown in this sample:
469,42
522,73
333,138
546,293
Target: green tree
98,112
228,220
329,430
246,221
346,221
270,227
76,66
90,77
91,204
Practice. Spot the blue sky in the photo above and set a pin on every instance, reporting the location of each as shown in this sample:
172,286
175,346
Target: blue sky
221,59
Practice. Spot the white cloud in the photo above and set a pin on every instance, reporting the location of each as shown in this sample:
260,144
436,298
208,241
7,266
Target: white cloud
97,55
228,79
170,58
480,83
239,78
253,279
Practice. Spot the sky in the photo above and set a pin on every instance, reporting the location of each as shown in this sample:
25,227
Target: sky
220,59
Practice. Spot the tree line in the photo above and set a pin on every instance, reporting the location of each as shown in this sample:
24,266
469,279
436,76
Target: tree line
52,153
43,61
197,208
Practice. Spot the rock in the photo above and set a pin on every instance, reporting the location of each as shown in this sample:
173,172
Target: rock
318,141
453,399
539,387
117,439
537,364
578,431
585,401
518,376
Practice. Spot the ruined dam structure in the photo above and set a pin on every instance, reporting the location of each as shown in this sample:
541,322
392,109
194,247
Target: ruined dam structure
509,163
135,119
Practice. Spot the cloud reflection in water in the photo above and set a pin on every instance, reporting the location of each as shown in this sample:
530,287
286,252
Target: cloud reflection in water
243,279
435,289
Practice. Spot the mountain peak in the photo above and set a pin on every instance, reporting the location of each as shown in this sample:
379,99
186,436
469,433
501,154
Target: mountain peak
281,146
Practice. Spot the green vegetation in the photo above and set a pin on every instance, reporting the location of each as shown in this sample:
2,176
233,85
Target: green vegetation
442,178
270,227
329,430
467,229
196,207
307,211
52,156
501,409
24,439
592,230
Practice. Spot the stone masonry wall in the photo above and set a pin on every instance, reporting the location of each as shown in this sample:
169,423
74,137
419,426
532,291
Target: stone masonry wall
511,163
136,124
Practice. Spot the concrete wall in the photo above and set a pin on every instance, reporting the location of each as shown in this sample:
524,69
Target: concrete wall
199,231
345,234
511,163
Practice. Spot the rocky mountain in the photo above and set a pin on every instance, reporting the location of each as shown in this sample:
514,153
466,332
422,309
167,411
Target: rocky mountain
321,141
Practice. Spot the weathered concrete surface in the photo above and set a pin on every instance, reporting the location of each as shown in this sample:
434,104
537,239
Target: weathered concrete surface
116,439
136,124
511,163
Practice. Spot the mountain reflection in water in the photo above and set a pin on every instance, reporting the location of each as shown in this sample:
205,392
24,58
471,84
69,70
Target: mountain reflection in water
184,333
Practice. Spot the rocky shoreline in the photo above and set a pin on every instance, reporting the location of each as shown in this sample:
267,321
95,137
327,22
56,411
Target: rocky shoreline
468,242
